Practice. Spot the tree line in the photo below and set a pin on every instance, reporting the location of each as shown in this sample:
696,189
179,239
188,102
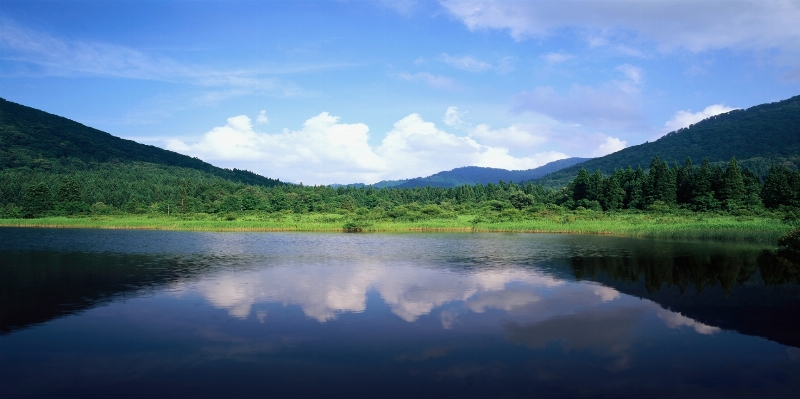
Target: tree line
149,188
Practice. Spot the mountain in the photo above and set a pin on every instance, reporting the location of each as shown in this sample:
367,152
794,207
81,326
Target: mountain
41,141
475,174
757,137
471,175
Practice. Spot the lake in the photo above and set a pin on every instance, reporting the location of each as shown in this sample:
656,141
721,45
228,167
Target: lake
129,314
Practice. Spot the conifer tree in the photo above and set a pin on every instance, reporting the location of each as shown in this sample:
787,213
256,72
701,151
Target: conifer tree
702,193
732,184
580,186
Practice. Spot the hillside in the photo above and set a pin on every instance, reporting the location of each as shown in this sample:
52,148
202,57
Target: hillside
471,175
757,137
38,140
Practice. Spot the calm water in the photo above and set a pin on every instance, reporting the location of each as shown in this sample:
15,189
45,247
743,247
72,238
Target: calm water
132,314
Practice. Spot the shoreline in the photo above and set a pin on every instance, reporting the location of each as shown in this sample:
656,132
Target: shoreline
711,227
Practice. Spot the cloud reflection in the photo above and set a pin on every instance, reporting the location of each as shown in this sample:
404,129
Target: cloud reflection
322,292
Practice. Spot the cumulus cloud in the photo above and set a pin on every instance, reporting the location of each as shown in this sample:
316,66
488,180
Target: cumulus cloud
684,118
691,25
325,151
610,145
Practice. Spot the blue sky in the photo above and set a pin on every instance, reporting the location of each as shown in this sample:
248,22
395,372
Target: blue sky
325,92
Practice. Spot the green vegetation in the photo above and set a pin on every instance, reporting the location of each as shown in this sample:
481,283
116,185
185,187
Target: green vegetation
669,202
56,172
759,137
37,141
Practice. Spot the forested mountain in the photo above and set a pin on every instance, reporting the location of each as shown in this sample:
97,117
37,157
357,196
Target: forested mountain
37,140
477,175
758,137
471,175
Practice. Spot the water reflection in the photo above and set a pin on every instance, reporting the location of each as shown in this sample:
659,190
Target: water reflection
466,315
323,291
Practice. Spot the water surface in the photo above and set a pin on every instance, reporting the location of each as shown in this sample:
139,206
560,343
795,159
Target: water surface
114,313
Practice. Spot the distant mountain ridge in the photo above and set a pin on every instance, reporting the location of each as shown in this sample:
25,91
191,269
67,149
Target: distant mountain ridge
757,136
471,175
39,140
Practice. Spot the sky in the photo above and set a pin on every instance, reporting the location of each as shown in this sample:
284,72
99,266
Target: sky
324,92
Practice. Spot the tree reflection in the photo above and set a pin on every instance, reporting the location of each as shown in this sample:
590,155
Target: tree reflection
682,271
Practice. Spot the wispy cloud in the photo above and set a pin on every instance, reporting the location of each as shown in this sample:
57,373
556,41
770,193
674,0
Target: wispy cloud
557,57
46,55
438,81
691,25
472,64
611,105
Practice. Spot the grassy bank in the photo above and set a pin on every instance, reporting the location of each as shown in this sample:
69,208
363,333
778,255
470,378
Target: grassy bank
690,226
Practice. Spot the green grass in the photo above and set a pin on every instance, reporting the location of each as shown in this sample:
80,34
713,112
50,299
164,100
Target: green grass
670,226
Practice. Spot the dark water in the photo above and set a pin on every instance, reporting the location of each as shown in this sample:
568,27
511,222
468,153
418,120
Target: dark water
133,314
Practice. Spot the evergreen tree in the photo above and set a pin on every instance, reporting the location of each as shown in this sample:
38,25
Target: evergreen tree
702,194
732,185
777,188
661,183
580,186
595,188
684,177
36,200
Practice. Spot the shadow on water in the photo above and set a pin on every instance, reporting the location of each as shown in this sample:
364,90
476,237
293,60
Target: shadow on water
38,286
754,293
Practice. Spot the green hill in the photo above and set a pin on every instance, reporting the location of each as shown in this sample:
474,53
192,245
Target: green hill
757,137
37,140
471,175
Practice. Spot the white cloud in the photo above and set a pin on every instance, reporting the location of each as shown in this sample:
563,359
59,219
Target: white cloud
610,145
262,119
632,73
453,118
691,25
437,81
686,118
466,63
514,136
325,151
46,55
555,58
471,64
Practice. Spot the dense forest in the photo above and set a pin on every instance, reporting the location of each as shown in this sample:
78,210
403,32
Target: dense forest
148,188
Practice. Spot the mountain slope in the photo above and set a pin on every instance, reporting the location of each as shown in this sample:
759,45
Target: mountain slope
39,140
766,133
474,174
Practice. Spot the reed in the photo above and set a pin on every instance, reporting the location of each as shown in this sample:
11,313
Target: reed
681,226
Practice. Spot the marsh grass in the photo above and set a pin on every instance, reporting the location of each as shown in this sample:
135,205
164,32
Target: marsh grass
668,226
